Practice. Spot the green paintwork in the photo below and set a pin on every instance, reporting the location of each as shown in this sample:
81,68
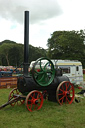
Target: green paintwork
43,74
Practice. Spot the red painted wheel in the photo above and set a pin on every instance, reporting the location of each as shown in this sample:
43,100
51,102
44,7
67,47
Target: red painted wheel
34,100
12,96
65,92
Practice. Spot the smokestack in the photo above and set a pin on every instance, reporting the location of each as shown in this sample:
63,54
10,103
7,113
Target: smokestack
26,42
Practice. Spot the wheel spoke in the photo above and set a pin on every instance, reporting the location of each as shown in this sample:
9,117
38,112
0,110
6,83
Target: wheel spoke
68,85
46,65
31,96
43,76
61,89
29,107
60,94
46,78
38,96
61,101
29,104
62,98
67,99
34,95
41,66
37,106
70,89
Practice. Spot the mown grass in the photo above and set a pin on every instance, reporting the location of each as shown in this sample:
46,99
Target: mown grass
51,115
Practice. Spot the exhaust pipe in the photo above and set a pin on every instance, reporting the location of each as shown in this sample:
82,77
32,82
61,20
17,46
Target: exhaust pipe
26,43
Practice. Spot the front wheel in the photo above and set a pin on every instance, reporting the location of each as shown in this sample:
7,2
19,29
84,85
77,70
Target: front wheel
34,100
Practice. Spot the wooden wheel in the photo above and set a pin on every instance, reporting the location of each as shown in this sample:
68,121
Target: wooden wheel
12,95
34,100
65,92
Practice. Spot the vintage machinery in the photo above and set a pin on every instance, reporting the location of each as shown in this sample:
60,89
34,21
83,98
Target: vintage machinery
45,79
43,82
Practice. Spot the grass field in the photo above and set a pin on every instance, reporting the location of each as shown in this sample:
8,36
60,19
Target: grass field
51,115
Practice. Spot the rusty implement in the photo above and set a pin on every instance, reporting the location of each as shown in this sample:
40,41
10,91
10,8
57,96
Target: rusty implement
10,102
14,98
13,101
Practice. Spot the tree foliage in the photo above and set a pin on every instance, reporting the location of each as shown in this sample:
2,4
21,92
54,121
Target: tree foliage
61,45
12,53
36,52
67,45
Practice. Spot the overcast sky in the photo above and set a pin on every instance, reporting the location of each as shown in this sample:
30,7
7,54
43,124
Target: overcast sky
46,16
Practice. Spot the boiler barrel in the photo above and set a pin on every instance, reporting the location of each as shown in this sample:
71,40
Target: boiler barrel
27,84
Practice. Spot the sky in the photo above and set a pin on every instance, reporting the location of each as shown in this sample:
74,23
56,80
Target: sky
45,17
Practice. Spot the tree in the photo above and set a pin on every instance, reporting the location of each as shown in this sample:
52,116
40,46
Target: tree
4,51
7,41
12,53
16,54
36,52
67,45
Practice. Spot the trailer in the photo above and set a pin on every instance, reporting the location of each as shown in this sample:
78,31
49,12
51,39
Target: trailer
72,69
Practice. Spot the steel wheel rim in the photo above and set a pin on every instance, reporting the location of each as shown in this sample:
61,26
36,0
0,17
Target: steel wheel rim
45,75
65,93
11,97
34,100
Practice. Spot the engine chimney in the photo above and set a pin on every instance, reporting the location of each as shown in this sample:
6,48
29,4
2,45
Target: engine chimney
26,43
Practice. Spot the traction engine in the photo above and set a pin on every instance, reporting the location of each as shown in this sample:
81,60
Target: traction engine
43,82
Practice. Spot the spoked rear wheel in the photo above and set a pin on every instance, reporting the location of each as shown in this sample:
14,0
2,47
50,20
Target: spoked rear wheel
12,95
34,100
65,92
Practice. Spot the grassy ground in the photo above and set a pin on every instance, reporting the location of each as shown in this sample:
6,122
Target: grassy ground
51,115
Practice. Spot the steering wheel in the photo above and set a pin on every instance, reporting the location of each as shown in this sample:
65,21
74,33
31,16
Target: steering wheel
43,71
